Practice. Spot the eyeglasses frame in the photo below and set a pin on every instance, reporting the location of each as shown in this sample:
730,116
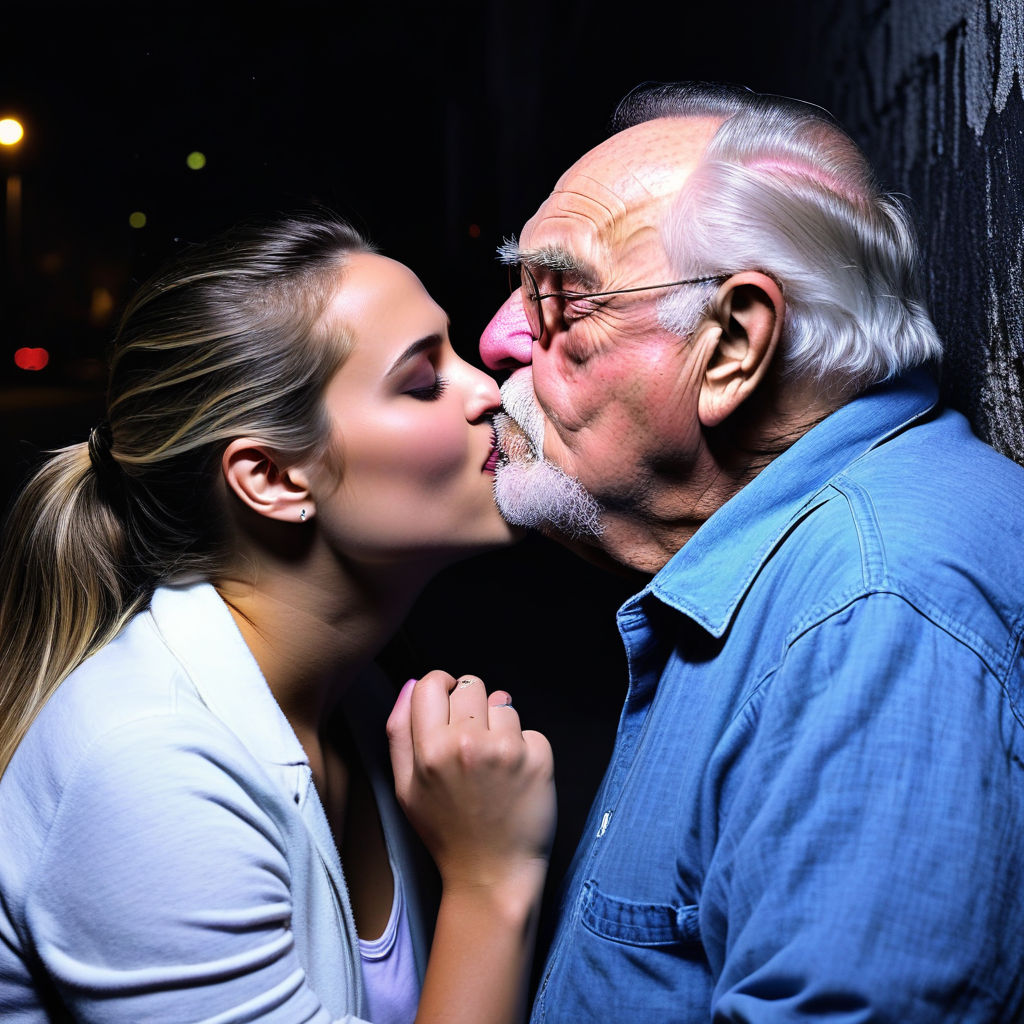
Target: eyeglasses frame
536,297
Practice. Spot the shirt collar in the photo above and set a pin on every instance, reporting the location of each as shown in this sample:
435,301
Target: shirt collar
708,576
200,632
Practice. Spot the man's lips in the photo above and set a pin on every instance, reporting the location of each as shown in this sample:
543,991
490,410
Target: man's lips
512,440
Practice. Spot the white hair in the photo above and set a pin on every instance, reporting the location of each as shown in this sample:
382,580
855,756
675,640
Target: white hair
783,190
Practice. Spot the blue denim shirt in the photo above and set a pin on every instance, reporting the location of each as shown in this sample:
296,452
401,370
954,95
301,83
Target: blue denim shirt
815,804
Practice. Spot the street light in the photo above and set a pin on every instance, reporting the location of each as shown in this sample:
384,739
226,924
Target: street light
11,134
11,131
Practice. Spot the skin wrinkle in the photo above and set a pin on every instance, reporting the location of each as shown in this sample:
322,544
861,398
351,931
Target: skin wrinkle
612,206
631,412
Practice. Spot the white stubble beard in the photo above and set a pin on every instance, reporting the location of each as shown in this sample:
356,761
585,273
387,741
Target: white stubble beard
529,490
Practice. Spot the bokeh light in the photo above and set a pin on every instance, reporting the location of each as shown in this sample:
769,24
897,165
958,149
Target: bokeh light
101,306
196,160
11,131
31,358
137,219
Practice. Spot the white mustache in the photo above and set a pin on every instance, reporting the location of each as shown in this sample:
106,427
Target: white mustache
530,490
521,407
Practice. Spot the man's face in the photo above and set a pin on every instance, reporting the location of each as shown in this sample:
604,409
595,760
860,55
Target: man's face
617,394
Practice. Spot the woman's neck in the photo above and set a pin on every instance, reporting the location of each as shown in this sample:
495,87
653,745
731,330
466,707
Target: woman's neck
314,629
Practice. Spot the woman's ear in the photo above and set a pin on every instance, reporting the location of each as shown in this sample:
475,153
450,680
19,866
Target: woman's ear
253,472
748,315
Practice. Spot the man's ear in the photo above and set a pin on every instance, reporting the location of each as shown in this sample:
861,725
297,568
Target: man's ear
748,315
255,475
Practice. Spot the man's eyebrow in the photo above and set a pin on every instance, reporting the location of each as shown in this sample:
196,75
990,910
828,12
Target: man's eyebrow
551,257
429,342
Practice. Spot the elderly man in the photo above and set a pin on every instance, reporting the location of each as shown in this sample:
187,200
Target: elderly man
815,803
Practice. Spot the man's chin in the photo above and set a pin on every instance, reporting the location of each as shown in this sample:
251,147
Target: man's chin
538,495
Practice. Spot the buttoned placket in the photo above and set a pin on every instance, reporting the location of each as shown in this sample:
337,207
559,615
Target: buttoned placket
643,668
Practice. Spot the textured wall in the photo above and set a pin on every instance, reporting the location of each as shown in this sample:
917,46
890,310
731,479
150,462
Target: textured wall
932,90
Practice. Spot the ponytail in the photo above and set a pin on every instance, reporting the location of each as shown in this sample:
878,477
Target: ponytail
66,586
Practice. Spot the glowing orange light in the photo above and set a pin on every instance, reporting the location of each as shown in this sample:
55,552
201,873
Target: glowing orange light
11,131
101,306
474,230
31,358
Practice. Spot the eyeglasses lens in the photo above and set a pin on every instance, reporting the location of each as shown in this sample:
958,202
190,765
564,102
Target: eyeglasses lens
531,304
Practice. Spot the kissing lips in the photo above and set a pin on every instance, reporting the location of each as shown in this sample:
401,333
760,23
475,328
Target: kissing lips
512,440
494,458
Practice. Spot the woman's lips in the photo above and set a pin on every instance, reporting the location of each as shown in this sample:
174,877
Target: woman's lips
495,456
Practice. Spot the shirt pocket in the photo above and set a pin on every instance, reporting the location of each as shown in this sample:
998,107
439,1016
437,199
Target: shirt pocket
637,923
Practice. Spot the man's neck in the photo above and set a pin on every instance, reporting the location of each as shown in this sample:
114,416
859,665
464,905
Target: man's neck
644,536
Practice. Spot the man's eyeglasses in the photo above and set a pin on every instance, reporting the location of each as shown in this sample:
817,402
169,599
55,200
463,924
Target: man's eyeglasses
532,297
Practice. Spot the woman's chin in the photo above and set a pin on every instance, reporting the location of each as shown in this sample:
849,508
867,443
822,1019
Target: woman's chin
505,535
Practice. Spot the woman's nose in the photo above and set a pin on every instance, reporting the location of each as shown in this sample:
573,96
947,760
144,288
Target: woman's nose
483,396
507,342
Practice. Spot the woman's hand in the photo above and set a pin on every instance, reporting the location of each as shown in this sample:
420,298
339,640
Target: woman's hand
476,787
481,794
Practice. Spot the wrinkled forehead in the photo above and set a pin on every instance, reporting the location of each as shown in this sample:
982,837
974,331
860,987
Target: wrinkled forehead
607,208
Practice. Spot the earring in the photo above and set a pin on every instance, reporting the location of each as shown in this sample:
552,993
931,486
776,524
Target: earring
302,516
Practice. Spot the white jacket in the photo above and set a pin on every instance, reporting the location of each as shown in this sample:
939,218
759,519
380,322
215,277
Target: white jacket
163,853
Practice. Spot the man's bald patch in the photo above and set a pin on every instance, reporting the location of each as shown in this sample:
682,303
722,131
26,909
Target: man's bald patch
658,155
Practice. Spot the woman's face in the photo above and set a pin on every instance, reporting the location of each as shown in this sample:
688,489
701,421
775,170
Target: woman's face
411,427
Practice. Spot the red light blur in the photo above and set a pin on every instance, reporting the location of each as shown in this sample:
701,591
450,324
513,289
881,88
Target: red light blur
31,358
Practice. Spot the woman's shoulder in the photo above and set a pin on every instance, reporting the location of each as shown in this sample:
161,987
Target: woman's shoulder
126,744
128,710
132,678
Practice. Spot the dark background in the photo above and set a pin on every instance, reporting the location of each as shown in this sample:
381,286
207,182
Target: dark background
438,130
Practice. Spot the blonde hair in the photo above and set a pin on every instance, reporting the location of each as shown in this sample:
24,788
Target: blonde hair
228,340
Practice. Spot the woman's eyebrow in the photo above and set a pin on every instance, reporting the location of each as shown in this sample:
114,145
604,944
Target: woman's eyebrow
429,342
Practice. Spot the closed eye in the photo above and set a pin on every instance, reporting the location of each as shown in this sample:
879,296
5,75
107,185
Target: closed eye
431,392
578,308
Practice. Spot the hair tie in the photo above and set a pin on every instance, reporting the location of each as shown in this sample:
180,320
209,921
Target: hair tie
101,440
105,466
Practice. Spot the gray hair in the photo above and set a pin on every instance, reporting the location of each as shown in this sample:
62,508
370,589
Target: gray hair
782,189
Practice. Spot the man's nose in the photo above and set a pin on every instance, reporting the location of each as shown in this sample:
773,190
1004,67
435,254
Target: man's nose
507,341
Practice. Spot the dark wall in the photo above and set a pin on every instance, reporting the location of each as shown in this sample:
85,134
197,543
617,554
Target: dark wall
932,90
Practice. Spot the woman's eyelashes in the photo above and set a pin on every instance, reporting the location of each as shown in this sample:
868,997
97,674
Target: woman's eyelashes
431,391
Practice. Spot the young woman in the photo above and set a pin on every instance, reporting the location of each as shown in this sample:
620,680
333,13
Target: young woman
196,821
